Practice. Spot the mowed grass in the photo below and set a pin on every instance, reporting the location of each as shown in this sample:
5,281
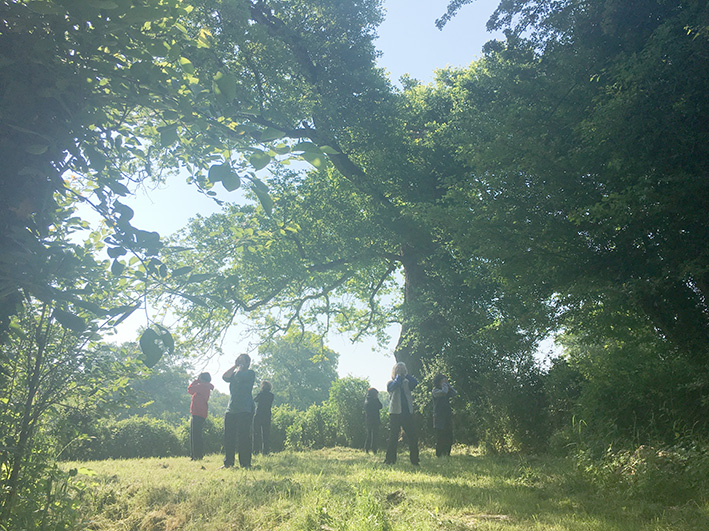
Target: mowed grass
346,489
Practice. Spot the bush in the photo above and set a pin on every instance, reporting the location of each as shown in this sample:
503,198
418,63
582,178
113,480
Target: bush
282,417
134,437
346,402
314,428
664,475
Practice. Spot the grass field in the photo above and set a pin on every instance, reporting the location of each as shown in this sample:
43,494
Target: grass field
346,489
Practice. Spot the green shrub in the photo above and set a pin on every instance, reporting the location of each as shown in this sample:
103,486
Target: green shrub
314,428
346,403
665,475
134,437
282,417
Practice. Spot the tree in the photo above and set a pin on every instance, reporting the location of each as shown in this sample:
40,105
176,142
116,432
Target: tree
300,368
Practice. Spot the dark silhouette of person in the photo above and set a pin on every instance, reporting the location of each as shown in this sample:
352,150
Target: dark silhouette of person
442,414
262,419
239,413
401,413
372,405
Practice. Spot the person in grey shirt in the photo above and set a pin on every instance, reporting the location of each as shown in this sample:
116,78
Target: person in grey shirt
239,413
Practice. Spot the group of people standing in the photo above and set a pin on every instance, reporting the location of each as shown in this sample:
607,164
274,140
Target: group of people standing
243,413
246,414
401,415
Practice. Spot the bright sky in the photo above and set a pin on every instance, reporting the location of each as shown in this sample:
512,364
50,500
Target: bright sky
410,43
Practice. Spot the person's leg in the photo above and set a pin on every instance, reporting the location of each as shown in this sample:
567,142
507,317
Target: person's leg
368,439
198,439
409,424
258,435
229,439
192,437
266,434
243,436
440,441
394,429
449,439
375,438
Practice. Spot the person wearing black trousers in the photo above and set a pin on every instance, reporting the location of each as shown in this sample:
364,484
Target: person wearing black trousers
239,413
442,414
372,405
262,419
401,414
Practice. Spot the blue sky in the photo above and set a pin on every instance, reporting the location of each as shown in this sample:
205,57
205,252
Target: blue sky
410,43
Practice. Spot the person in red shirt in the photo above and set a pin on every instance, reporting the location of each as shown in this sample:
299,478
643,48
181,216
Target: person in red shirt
200,390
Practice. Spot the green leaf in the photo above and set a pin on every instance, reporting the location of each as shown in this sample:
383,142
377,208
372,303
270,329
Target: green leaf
90,306
259,184
225,86
168,135
36,149
198,277
307,146
69,320
167,339
115,252
218,172
126,314
316,159
265,200
271,133
103,4
149,346
118,188
117,268
259,159
231,182
44,8
182,271
186,65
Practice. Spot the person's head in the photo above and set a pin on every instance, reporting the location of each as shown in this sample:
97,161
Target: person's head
372,393
205,377
438,380
243,361
399,370
266,385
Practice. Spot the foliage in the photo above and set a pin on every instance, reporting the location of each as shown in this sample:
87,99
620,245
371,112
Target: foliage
134,437
49,373
662,475
300,368
282,417
313,428
346,489
347,402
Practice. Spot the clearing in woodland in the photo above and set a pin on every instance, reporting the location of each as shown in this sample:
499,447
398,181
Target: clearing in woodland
346,489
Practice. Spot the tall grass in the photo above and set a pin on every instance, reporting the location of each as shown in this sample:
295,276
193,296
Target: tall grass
347,490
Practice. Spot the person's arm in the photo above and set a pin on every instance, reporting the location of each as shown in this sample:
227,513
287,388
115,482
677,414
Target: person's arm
229,373
439,392
192,389
413,382
394,384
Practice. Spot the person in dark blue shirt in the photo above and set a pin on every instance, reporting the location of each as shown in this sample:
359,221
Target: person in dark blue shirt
401,413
